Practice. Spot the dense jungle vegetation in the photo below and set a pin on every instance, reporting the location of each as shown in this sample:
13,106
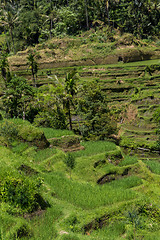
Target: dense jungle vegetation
30,22
79,119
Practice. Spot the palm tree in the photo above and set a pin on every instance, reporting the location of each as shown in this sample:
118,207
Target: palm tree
9,17
4,67
70,90
33,65
86,12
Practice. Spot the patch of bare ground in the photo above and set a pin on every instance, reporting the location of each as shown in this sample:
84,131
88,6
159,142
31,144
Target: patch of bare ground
63,232
37,213
73,148
131,114
125,46
66,143
94,69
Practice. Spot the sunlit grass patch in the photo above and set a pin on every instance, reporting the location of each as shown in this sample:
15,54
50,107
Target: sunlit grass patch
127,182
8,159
154,166
54,133
44,227
92,148
44,154
111,232
20,148
86,195
14,227
85,167
128,160
54,162
153,236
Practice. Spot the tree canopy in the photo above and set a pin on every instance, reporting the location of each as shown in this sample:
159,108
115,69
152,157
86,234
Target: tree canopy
30,22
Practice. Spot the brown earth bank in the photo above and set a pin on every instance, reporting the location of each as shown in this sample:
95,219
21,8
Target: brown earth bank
127,54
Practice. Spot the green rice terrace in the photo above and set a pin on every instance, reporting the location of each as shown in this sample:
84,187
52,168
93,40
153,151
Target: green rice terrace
79,120
55,184
130,91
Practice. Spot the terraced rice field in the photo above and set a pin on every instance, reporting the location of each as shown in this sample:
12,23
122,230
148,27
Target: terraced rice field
127,87
105,192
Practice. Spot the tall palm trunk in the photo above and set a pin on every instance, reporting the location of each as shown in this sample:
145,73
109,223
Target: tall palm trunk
86,12
69,115
106,14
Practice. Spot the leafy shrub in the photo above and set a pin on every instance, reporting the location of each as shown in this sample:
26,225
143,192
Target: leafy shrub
93,108
20,192
23,231
17,95
158,43
50,120
29,133
71,222
70,162
20,130
8,130
68,23
128,143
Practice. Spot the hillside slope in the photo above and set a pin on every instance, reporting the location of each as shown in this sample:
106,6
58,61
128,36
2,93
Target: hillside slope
110,195
88,49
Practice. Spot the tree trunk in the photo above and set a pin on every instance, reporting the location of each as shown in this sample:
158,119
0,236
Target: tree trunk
11,31
106,11
51,26
69,116
24,115
34,80
86,10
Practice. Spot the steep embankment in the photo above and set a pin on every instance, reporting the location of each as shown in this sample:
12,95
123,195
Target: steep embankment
87,49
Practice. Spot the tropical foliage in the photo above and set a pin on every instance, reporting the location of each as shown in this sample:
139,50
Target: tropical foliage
30,22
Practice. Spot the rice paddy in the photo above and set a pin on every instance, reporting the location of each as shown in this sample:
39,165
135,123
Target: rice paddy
79,207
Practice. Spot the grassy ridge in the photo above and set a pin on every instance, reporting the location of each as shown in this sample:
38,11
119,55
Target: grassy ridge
78,202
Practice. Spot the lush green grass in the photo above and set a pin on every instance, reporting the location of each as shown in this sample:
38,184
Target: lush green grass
128,160
54,133
127,182
154,166
81,194
44,227
19,148
44,154
86,195
153,236
93,148
111,232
